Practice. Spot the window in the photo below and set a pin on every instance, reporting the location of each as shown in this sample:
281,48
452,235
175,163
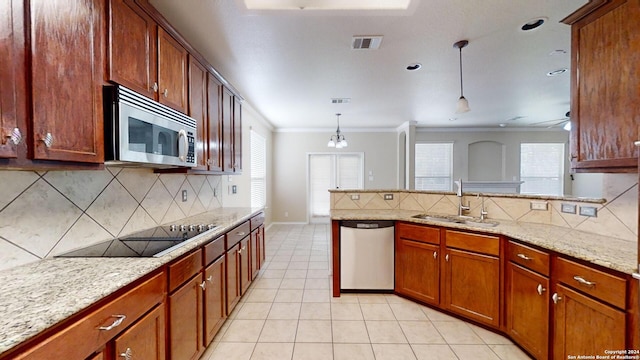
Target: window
542,168
258,170
332,171
434,166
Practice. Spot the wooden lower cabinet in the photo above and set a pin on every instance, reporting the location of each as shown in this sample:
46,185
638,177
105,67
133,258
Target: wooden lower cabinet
145,339
98,356
233,277
527,305
472,286
215,306
185,319
245,264
418,270
584,326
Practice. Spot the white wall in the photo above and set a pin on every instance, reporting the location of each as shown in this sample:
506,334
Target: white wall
290,151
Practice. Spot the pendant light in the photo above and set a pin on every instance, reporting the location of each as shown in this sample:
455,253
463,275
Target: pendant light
337,141
463,104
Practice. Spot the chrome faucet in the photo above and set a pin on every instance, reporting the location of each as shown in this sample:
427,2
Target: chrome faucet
461,208
483,211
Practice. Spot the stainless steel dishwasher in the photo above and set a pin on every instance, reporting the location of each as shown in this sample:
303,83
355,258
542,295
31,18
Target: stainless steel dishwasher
366,255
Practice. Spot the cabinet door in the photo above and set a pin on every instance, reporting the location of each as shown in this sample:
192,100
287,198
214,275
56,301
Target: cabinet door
583,326
10,19
472,286
132,50
255,253
245,264
214,102
528,310
67,55
172,72
145,339
606,87
215,311
198,110
185,321
237,135
227,130
233,277
418,270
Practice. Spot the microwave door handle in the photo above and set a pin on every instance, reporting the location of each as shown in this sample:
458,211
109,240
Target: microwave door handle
182,151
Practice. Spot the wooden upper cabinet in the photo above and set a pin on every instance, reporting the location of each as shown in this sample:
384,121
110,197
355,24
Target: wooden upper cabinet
214,101
67,76
172,72
132,47
237,135
605,86
10,24
144,57
198,109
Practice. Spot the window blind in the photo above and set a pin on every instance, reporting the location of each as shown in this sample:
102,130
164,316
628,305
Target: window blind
434,166
542,168
258,170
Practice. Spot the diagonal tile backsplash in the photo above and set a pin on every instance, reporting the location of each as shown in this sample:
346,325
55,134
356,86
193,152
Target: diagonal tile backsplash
43,214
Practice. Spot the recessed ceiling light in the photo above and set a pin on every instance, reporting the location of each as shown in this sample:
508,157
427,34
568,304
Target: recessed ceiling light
557,72
340,100
558,52
533,24
414,66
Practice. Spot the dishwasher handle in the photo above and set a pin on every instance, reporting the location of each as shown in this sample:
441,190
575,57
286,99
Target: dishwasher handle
367,224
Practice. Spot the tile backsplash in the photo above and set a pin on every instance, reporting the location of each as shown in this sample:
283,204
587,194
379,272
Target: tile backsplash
617,217
43,214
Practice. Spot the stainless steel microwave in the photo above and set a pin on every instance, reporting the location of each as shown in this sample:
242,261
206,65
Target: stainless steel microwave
142,132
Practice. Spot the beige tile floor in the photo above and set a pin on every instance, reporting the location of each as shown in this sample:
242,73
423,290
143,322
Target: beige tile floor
288,313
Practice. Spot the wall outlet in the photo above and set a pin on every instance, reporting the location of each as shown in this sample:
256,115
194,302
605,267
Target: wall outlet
388,196
539,205
234,189
355,196
568,208
590,211
184,195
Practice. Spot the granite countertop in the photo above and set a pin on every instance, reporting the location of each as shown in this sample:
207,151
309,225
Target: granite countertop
606,251
37,296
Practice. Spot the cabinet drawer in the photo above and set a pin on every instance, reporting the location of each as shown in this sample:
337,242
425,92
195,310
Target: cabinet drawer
83,337
257,221
421,233
484,244
240,232
214,250
601,285
528,257
184,268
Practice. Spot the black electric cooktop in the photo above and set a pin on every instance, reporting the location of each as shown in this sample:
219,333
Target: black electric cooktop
153,242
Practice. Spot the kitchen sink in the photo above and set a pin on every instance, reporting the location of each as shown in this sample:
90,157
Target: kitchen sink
471,221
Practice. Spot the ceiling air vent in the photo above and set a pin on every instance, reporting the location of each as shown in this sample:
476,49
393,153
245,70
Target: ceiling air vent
366,42
340,100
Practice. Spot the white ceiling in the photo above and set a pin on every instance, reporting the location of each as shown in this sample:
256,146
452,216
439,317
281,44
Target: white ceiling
289,64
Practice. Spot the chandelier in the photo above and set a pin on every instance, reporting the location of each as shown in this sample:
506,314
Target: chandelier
337,141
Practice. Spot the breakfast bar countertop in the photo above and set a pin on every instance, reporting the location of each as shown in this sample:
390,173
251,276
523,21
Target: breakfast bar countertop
612,253
38,295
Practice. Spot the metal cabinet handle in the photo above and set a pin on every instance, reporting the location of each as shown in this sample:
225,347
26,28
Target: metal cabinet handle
244,247
119,319
524,257
446,257
210,279
435,254
239,251
583,281
540,289
14,136
203,285
47,139
165,93
155,87
241,233
127,354
555,298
